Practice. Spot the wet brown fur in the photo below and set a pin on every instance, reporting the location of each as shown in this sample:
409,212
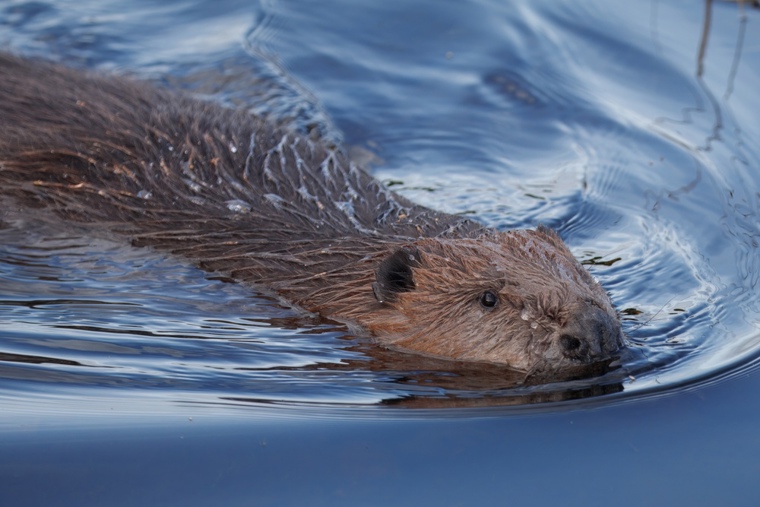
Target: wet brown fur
262,204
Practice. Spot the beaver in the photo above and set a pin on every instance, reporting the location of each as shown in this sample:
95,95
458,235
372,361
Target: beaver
241,195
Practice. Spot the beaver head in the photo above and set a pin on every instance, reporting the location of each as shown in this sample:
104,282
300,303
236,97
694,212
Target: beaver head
518,298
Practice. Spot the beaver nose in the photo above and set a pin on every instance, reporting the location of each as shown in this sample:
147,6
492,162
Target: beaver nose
590,335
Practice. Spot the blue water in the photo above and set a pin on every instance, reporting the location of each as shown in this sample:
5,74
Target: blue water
130,378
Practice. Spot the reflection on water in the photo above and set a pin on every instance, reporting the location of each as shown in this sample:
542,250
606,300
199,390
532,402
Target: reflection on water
629,131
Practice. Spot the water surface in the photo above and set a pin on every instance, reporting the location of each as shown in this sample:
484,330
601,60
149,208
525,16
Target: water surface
590,117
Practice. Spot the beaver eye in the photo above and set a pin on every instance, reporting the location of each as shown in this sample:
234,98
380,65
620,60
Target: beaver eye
489,299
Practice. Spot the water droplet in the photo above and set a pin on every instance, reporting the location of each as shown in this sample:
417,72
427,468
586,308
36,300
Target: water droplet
193,186
238,206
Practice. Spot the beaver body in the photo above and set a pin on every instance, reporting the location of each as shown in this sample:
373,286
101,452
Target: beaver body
288,212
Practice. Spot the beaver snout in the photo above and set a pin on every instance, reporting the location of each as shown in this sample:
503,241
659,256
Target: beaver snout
591,335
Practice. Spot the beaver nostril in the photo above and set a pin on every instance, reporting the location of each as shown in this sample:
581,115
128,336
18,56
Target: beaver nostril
569,342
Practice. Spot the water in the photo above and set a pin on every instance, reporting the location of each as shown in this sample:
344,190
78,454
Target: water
121,366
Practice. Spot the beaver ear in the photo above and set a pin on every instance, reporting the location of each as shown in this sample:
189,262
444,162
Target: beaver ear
553,237
395,275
